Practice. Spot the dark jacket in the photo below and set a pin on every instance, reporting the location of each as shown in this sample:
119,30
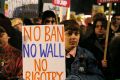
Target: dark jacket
88,63
15,35
94,45
114,50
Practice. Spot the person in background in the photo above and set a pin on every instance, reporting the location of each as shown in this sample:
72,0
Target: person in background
99,16
96,44
48,18
95,41
90,28
115,26
10,59
80,63
27,21
37,21
114,49
15,35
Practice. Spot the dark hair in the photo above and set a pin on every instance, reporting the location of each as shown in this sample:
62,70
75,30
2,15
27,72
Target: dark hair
47,14
99,16
71,25
104,22
113,20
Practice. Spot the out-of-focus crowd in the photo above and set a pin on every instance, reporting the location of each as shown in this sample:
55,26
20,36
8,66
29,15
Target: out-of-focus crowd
84,46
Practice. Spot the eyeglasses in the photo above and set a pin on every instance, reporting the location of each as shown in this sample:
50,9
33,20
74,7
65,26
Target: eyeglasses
48,21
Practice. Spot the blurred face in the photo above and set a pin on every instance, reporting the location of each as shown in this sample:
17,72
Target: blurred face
99,30
117,20
50,21
71,39
3,38
39,21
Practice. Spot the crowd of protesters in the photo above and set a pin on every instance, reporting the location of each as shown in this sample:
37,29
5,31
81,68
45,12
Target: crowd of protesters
84,46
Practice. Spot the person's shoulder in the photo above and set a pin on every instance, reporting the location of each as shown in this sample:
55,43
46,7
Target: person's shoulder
84,50
87,52
15,51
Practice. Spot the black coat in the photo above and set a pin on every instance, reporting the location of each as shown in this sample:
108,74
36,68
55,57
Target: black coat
93,44
114,50
15,35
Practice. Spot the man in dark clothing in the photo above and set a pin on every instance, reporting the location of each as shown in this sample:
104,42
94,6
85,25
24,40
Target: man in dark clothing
114,50
96,44
15,36
115,26
80,63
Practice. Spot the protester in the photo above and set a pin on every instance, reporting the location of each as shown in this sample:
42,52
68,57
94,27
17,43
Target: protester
48,17
15,36
90,27
115,26
96,44
95,41
80,63
10,59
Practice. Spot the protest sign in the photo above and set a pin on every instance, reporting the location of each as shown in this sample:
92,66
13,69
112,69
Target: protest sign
63,3
97,9
60,11
107,1
43,51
